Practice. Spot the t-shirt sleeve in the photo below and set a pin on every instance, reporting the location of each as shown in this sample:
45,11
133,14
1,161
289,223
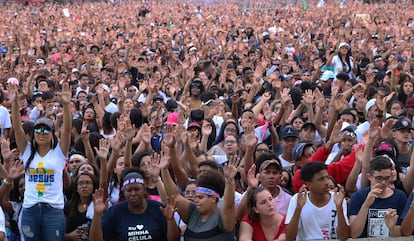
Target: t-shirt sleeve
2,221
108,226
291,208
407,206
355,203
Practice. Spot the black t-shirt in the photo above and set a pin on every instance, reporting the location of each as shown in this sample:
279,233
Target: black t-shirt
76,220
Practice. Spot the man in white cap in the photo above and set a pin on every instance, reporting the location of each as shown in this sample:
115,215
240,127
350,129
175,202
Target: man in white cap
372,112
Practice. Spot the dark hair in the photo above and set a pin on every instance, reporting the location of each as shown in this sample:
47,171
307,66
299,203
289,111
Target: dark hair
379,163
136,117
137,157
251,202
220,136
289,182
209,163
114,119
310,169
212,180
75,200
34,148
212,137
94,167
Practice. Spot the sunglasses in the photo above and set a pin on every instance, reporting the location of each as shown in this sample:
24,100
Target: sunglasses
43,131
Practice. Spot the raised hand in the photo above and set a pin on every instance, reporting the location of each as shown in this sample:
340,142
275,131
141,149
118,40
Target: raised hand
206,129
103,150
252,181
308,97
169,139
66,95
374,129
169,208
146,133
85,133
117,141
335,134
129,131
339,196
155,169
230,168
302,196
99,204
16,169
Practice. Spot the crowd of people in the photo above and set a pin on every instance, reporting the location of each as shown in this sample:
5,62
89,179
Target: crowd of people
169,120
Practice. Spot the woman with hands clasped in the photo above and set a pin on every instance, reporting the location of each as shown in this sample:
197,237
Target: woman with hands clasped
136,218
205,221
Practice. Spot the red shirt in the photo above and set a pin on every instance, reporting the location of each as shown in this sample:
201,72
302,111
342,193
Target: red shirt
338,170
258,233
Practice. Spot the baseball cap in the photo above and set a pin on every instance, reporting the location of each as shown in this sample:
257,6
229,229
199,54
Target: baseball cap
308,124
289,131
40,61
194,125
44,121
327,75
409,102
172,119
157,97
266,164
343,44
402,124
297,151
370,104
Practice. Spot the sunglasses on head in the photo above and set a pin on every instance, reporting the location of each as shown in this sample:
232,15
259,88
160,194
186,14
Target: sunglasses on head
43,131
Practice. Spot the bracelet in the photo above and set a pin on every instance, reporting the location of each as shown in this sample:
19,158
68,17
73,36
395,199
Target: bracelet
229,180
5,181
412,209
155,180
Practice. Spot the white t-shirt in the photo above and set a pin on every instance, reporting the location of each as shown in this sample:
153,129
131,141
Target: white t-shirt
44,182
5,122
316,222
339,67
2,222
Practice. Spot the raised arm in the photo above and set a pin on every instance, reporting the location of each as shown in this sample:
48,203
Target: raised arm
182,204
19,135
67,120
228,213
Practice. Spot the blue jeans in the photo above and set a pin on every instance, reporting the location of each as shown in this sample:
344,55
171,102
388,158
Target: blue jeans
43,222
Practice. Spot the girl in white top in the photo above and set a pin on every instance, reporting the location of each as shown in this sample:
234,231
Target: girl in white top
343,61
44,161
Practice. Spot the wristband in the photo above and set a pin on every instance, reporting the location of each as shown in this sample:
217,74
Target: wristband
5,181
229,180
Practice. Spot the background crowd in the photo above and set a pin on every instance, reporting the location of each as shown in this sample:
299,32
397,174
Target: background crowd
168,120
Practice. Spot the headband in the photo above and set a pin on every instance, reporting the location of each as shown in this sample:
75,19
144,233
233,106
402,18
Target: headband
132,180
207,191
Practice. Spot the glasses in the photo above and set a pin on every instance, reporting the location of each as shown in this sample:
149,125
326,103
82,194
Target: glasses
381,178
230,130
190,193
85,183
43,131
262,150
131,90
229,142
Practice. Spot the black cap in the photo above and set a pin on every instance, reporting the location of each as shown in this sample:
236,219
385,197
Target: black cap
157,97
309,124
402,124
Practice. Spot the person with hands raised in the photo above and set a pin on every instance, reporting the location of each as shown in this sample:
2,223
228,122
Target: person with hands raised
205,221
135,218
368,206
315,212
43,216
